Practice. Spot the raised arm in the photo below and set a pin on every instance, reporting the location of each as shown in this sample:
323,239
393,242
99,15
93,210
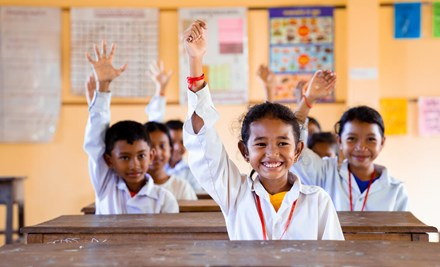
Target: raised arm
156,108
267,79
194,40
321,85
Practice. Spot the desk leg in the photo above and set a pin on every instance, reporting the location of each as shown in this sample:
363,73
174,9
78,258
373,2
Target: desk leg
20,218
9,229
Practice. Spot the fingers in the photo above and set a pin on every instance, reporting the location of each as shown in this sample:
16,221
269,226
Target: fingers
196,31
112,51
89,58
97,54
122,68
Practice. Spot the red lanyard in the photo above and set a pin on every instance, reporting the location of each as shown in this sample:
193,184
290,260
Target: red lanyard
368,189
260,213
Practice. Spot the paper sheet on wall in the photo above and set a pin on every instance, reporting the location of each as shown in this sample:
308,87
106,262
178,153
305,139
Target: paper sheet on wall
226,61
301,42
407,20
436,19
394,112
30,79
135,31
429,116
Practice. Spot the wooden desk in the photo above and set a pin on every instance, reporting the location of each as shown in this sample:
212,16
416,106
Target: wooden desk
399,226
201,205
225,253
11,192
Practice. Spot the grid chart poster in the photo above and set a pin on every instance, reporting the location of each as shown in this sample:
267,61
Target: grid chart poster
134,31
30,73
300,42
429,116
226,60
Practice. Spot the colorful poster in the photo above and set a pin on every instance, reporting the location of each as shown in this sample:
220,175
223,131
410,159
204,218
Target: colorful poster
394,112
226,61
301,42
407,20
133,30
429,116
30,73
436,19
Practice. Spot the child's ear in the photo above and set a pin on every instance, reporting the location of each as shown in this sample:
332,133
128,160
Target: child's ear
108,160
243,150
298,150
152,154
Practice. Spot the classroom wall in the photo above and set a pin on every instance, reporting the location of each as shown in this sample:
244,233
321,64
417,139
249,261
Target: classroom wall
57,180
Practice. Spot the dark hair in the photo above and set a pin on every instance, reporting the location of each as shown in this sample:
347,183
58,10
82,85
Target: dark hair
174,124
321,137
268,110
363,114
314,121
153,126
129,131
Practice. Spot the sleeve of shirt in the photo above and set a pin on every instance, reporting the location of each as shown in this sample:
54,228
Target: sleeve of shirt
207,157
170,204
329,225
402,199
155,110
94,145
189,193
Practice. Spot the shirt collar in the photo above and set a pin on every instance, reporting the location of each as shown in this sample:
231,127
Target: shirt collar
147,190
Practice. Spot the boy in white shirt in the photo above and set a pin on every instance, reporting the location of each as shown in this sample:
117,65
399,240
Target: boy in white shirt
119,156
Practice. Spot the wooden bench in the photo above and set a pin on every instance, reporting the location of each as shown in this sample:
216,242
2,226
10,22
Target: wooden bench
225,253
200,205
398,226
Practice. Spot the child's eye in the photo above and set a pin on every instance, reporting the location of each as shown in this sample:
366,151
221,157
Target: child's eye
372,139
124,158
283,144
142,156
260,144
350,138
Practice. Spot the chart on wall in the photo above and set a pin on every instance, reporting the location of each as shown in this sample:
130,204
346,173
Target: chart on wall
225,64
134,31
30,79
301,42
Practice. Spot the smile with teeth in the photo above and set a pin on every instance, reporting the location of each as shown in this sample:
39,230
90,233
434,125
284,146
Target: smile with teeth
272,164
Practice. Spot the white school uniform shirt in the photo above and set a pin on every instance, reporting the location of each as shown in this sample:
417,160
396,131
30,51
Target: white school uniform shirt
386,193
314,216
111,193
180,188
155,111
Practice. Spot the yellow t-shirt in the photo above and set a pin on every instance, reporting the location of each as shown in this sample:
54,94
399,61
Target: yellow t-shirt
277,199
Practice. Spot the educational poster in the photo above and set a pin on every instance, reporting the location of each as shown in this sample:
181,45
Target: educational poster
301,42
436,19
407,20
30,73
135,31
394,112
429,116
226,60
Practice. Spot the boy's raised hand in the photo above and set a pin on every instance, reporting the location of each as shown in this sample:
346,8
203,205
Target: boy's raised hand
194,39
321,85
103,68
159,76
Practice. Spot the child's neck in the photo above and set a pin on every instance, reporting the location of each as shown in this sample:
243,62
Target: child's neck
159,177
276,186
135,187
364,174
173,163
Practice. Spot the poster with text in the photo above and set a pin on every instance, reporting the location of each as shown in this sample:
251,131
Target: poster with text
30,73
133,30
429,116
407,20
300,43
225,64
394,112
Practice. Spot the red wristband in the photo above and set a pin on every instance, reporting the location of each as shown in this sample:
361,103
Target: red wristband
307,102
193,80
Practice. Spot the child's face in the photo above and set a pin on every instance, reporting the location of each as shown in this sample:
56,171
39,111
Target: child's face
271,148
312,128
130,161
178,148
162,149
324,150
361,143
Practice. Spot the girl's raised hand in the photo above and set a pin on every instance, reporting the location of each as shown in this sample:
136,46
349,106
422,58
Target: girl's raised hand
194,39
103,68
321,85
